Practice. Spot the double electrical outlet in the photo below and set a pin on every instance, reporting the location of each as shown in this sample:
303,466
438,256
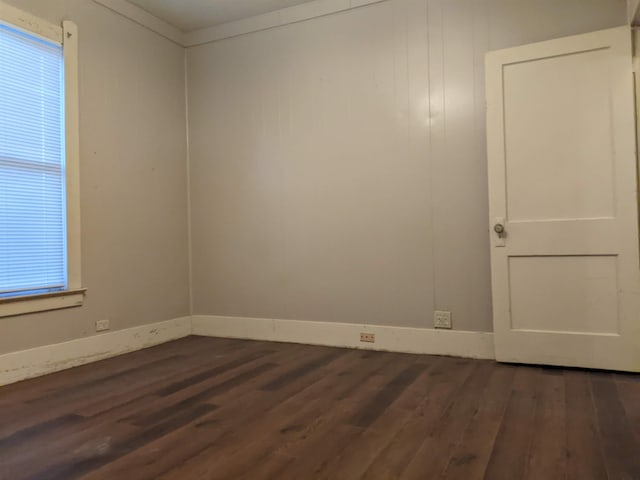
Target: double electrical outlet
441,319
367,337
102,325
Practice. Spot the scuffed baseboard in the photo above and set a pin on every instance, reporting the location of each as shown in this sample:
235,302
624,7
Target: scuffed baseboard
16,366
396,339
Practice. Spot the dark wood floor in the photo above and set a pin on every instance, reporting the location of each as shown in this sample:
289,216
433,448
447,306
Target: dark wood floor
203,408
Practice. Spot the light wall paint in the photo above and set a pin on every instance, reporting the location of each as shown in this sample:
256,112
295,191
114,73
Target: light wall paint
332,162
133,179
338,166
633,7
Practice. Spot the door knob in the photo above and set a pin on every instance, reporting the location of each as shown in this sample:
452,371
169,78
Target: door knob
499,229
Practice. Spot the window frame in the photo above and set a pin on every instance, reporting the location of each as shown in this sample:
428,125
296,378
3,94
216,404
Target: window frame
67,36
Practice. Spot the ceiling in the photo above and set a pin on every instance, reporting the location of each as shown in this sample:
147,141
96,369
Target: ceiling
189,15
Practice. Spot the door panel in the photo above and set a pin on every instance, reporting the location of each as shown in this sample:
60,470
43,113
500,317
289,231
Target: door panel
564,293
559,137
562,181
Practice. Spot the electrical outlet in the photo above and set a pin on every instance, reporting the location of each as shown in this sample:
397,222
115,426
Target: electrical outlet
368,337
102,325
441,319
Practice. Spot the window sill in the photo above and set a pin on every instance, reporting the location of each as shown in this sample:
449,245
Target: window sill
41,303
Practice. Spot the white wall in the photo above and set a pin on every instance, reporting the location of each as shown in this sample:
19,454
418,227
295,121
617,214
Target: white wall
632,9
133,179
338,165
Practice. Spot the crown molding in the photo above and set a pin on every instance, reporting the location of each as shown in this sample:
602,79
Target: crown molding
278,18
145,19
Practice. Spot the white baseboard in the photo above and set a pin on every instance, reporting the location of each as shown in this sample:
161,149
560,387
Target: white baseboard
38,361
395,339
17,366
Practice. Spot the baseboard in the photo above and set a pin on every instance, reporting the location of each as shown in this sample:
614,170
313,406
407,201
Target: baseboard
17,366
395,339
38,361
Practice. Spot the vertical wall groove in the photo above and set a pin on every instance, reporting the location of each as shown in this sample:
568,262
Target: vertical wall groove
358,192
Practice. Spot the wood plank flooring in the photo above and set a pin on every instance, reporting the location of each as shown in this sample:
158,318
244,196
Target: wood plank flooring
205,408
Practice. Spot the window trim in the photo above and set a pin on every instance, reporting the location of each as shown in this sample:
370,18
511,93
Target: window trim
67,36
31,23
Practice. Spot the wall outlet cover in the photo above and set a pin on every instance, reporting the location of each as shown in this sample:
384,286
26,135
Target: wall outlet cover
102,325
368,337
441,319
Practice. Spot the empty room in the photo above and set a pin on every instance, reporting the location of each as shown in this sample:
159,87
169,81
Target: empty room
319,239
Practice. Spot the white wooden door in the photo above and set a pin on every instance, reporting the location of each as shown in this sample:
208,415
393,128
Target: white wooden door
563,184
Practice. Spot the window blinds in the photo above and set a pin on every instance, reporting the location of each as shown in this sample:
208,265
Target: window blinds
32,170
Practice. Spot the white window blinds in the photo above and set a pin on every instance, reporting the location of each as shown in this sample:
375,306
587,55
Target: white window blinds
32,165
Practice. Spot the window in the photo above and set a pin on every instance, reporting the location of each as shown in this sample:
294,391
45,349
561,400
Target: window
39,214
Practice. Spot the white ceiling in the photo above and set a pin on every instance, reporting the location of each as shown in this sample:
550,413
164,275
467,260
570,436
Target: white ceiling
189,15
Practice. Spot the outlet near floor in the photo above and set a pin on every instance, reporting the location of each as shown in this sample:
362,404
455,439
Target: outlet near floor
102,325
441,319
368,337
